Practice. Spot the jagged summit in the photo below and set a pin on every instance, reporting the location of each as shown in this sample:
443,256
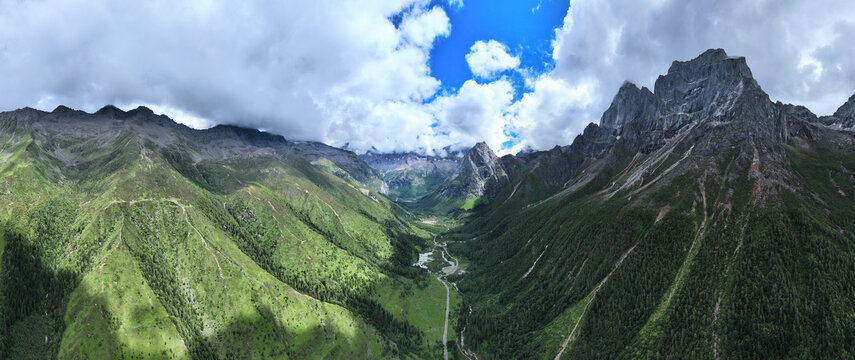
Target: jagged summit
701,83
141,110
708,57
481,146
480,174
630,103
847,110
699,110
65,110
109,110
846,114
117,113
704,86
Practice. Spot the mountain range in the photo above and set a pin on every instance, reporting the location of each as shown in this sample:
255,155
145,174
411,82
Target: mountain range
699,219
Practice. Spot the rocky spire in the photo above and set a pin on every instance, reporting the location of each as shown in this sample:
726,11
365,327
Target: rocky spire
629,104
846,114
480,173
700,84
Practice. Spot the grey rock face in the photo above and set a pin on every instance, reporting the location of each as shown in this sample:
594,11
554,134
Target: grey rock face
844,117
847,111
702,84
480,173
630,104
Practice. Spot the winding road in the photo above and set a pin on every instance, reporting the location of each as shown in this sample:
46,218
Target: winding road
440,276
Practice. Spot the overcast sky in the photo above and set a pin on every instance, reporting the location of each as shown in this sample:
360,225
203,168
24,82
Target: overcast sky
405,75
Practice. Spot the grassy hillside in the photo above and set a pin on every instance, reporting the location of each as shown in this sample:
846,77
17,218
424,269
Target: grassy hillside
121,243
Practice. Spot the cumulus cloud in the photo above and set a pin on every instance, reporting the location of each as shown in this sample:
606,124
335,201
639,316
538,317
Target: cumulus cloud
800,52
343,73
303,69
477,112
455,4
486,59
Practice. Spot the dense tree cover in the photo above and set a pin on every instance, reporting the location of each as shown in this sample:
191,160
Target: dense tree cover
769,273
34,289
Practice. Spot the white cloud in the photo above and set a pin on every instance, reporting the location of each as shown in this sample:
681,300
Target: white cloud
293,68
486,59
423,27
544,116
341,72
478,112
455,4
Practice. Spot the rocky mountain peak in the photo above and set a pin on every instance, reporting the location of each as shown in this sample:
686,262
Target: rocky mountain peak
481,146
142,110
109,110
480,154
480,173
701,84
629,104
846,113
710,61
65,110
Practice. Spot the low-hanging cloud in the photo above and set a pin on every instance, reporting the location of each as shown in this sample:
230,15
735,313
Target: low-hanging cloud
342,72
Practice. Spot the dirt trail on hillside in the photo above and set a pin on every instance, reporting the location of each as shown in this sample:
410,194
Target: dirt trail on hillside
204,242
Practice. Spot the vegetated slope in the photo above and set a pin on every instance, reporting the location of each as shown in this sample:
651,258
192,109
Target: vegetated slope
127,235
700,220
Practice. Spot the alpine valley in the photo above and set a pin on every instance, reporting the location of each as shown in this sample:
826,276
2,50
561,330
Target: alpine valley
697,220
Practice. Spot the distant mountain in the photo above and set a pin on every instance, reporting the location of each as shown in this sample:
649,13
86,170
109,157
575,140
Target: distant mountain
699,220
843,118
410,175
478,177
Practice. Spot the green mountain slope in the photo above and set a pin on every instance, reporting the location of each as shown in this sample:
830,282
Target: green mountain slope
711,225
127,235
699,220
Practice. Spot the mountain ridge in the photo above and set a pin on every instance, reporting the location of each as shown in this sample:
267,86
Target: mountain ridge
661,232
697,220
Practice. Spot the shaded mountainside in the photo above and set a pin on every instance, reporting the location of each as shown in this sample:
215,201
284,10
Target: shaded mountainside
700,220
125,234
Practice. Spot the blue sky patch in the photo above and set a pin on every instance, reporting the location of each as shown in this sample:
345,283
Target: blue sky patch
527,27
